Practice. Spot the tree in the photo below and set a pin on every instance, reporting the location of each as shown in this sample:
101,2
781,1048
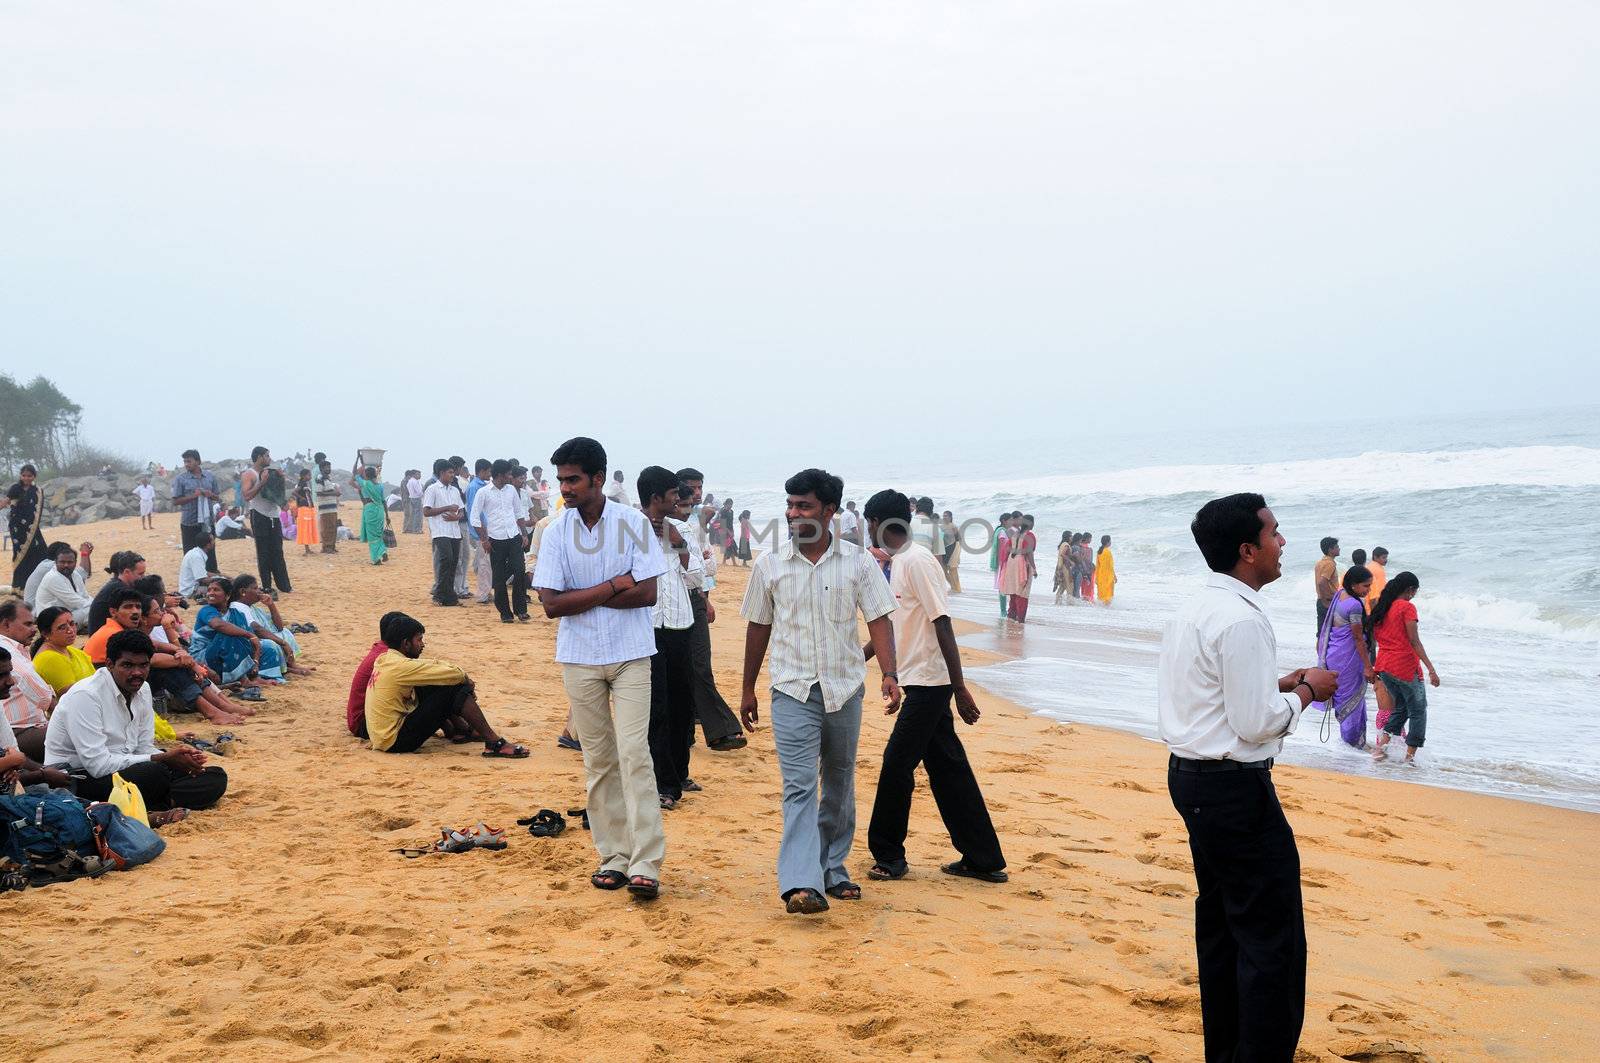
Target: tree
37,423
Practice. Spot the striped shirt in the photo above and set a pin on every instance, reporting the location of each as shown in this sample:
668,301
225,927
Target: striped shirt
672,609
575,557
812,612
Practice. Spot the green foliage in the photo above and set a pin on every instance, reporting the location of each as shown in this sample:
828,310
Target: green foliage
37,423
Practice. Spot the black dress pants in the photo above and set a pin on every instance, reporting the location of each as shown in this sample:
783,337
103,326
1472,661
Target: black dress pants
446,551
191,538
710,708
507,563
671,710
270,566
925,733
162,787
1249,926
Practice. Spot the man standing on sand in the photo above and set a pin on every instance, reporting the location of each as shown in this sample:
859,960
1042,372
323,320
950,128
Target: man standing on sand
483,571
808,593
194,492
442,506
326,491
597,570
1223,712
924,732
1326,575
264,495
499,517
721,726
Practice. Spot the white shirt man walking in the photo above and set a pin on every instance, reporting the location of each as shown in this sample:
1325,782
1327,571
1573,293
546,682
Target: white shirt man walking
597,571
803,600
1223,712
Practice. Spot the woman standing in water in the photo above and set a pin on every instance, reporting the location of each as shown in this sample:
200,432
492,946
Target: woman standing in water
1063,581
1020,571
1105,572
1399,665
1342,649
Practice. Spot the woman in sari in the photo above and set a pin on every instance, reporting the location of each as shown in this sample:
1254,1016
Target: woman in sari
999,554
1105,572
1342,649
27,515
226,645
1063,577
373,515
1017,583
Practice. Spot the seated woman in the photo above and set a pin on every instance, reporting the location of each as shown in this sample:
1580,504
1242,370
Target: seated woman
255,607
174,671
224,640
55,658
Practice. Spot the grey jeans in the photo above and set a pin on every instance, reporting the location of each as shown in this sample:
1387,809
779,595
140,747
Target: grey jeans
464,562
818,828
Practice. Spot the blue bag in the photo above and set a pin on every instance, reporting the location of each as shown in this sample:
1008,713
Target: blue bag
43,827
123,841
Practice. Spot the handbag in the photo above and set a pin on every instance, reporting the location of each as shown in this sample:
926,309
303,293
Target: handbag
123,841
389,539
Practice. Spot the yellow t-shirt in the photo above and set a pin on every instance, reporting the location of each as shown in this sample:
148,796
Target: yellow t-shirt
392,692
61,670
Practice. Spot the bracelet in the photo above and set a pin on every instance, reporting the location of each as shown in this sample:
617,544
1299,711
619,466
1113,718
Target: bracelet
612,583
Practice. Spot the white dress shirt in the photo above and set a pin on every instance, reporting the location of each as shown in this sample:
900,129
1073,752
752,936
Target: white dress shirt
1217,679
439,496
66,591
414,487
673,610
573,557
812,611
30,695
916,579
95,730
695,579
495,509
192,571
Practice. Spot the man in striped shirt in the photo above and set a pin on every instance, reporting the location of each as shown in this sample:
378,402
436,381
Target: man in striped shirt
803,600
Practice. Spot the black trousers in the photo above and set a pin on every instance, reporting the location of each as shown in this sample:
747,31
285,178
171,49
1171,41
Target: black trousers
710,708
1249,927
446,552
925,733
270,566
507,563
191,539
671,710
163,787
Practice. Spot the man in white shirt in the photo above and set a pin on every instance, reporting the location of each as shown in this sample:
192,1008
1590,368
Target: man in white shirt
411,524
105,725
30,589
442,507
1223,711
721,726
498,515
802,600
192,574
671,677
850,523
618,490
65,585
597,572
26,708
229,526
924,731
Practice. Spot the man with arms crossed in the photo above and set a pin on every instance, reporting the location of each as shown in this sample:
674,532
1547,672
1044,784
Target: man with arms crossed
597,570
803,599
1223,712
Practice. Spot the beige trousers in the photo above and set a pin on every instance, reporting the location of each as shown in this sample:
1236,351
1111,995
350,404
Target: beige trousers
611,714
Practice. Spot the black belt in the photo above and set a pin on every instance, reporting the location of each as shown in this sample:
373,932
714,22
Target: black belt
1177,763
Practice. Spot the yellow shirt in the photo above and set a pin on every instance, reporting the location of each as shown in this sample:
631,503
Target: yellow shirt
61,670
1327,578
392,693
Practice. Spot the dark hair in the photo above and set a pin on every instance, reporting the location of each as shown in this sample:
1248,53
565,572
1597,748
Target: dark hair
124,596
319,457
148,600
256,452
123,560
1358,556
924,506
400,628
191,453
5,654
240,584
46,620
1328,542
500,467
587,454
828,488
481,464
203,536
226,584
689,472
28,467
1224,524
889,505
385,620
151,584
128,644
685,493
518,470
1391,593
57,549
655,480
457,461
1353,575
8,609
440,465
1379,553
1068,536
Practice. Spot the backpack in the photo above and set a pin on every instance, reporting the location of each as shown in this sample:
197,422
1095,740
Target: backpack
121,840
49,834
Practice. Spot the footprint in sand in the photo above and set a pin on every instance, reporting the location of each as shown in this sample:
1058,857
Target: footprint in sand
1129,784
1365,1051
1556,975
1054,860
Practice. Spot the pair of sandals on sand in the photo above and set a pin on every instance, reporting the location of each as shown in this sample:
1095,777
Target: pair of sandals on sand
807,901
455,840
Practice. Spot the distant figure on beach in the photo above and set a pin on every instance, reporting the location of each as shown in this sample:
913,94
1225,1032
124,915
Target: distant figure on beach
374,515
1105,572
617,491
850,523
1326,577
924,731
999,554
265,494
1062,582
1086,566
1378,566
802,602
746,533
1342,649
307,528
326,491
1223,712
1017,585
147,504
1401,659
411,493
23,521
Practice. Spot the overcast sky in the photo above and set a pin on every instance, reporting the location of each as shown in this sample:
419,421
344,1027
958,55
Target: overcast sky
720,226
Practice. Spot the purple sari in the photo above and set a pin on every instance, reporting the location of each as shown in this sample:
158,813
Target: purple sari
1337,652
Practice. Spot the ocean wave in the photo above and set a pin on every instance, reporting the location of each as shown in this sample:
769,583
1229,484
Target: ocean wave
1375,472
1488,613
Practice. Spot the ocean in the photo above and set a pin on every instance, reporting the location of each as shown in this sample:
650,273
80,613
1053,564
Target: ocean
1498,516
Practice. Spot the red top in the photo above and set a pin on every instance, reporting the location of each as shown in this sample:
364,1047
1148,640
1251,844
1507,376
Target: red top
1395,654
355,709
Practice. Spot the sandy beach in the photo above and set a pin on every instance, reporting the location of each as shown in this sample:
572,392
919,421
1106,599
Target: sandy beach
1443,926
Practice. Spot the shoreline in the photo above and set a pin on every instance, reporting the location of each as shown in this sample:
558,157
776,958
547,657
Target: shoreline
1443,924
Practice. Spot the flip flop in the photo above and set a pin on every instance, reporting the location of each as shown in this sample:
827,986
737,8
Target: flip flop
844,891
544,823
646,889
960,870
887,872
606,879
691,787
566,742
486,837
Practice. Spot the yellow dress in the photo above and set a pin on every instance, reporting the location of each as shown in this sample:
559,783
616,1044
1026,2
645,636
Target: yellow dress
1105,576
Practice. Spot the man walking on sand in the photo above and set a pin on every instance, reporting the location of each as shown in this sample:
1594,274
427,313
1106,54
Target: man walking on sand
1223,712
597,571
924,732
803,599
721,726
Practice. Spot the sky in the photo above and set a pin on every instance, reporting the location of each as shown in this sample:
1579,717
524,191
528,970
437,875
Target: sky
781,230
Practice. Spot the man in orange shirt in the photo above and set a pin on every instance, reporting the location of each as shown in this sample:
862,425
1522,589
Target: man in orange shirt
127,608
1377,566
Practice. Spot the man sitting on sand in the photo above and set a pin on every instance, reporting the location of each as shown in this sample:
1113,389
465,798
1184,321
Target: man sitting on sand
192,573
229,526
411,697
355,705
105,725
65,585
127,609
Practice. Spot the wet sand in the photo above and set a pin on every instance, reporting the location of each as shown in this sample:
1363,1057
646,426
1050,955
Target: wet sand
1442,925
